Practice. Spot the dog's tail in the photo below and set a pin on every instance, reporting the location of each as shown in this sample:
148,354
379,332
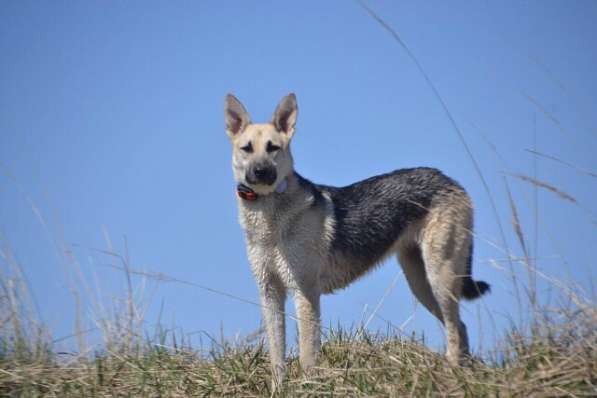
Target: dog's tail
472,289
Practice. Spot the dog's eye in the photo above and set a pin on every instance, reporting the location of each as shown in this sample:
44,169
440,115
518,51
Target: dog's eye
247,148
271,147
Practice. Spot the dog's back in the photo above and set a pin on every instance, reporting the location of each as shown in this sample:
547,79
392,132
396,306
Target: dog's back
370,215
375,217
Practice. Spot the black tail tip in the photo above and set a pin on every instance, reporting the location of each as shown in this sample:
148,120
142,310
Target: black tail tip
474,289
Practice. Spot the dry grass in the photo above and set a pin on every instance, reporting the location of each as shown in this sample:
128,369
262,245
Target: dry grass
553,353
558,359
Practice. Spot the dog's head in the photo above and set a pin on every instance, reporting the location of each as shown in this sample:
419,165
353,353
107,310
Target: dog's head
261,157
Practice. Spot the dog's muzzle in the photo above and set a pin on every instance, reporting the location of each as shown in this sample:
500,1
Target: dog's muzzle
262,174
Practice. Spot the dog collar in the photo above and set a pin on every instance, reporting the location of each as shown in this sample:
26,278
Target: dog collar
246,193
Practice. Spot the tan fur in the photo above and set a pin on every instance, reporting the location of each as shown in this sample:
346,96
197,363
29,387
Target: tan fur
434,272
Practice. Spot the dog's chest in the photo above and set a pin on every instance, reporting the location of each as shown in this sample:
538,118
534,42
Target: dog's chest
273,237
286,243
262,229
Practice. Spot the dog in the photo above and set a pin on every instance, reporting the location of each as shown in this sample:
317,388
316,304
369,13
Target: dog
314,239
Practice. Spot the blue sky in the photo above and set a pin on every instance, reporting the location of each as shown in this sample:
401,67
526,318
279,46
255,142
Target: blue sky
111,123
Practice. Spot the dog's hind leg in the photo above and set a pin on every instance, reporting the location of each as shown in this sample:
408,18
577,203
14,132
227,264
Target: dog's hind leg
273,297
445,248
414,270
416,276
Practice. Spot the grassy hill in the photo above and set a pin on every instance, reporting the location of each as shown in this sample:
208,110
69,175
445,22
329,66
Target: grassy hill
558,358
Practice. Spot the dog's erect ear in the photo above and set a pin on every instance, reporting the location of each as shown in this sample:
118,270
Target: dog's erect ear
236,116
285,115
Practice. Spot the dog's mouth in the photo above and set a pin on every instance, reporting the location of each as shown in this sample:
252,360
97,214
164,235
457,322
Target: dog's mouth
259,182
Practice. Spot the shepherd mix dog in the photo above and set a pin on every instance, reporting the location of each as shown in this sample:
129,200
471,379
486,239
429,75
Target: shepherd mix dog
314,239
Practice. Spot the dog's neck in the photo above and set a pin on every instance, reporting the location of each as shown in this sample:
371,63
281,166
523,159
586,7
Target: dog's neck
264,218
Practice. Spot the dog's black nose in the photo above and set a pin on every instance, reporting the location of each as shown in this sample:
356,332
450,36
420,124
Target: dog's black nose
264,174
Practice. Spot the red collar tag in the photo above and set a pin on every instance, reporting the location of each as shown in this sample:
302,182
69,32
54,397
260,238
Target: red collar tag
246,193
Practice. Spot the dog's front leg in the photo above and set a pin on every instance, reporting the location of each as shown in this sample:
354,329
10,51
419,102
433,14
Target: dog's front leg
273,296
308,311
